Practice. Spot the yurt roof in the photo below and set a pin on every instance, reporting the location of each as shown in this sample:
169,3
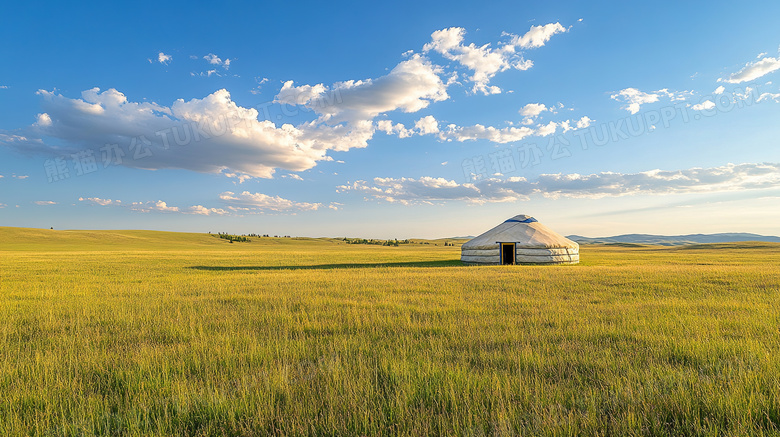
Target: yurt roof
524,230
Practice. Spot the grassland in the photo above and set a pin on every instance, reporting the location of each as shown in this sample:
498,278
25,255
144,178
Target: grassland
144,333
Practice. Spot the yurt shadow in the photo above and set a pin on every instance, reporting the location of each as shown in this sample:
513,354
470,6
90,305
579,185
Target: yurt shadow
444,263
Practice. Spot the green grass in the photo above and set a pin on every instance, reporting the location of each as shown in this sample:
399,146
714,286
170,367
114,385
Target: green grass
149,333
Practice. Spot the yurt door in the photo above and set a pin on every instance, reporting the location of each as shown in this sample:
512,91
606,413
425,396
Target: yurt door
507,253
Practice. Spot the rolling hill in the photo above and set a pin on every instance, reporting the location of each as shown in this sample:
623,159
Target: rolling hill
675,240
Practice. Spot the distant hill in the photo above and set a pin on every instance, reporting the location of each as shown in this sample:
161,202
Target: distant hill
674,240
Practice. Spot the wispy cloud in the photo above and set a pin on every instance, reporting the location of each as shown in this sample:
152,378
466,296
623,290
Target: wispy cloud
247,202
213,59
730,177
45,202
634,99
163,58
754,70
155,206
99,201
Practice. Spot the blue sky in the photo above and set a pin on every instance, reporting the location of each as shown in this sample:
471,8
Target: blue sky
391,121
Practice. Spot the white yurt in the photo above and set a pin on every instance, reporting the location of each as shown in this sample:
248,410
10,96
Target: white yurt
520,240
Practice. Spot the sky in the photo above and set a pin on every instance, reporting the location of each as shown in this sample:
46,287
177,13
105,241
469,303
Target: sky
392,120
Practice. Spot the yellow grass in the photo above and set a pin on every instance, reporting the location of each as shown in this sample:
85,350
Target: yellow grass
149,333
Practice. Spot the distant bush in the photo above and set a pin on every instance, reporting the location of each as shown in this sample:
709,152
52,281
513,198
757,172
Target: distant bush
393,242
233,238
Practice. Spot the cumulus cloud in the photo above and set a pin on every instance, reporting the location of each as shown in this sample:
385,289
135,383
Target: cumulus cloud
163,58
731,177
705,105
389,128
259,202
44,202
427,125
533,109
409,87
99,201
584,122
754,70
485,62
634,99
205,135
719,90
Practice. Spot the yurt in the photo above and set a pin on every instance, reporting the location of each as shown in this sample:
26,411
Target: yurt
520,240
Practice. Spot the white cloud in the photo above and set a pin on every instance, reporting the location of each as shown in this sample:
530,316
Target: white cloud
14,176
411,86
705,105
509,134
547,129
205,135
4,87
240,176
730,177
293,176
153,206
719,90
43,120
163,58
634,99
427,125
490,133
99,201
213,59
259,202
584,122
2,205
532,109
538,36
44,202
754,70
202,210
389,128
767,96
160,206
484,61
260,81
